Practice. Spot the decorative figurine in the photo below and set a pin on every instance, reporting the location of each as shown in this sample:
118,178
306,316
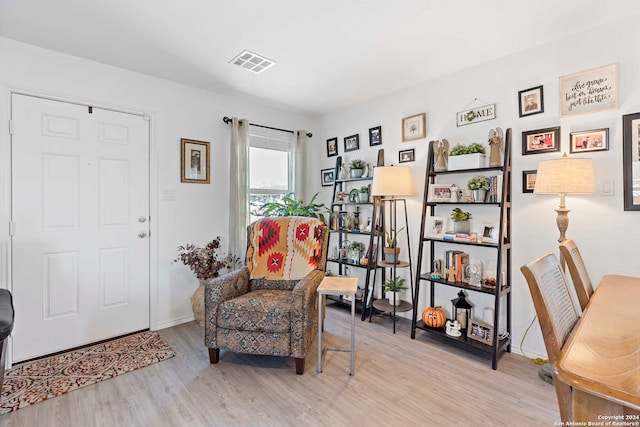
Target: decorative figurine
343,172
442,155
496,145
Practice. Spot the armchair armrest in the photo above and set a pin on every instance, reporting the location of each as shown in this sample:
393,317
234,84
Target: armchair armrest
217,291
305,313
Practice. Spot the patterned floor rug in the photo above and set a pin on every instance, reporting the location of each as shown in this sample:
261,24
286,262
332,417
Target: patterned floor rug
43,379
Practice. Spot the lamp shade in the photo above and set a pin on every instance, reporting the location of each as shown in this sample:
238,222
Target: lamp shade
565,175
392,181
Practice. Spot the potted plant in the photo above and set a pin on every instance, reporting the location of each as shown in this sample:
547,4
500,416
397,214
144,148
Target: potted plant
467,156
479,185
392,287
356,167
290,206
206,263
391,251
363,194
357,249
461,221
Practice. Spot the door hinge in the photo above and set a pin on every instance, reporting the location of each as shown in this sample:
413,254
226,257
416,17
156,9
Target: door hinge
90,109
10,127
12,228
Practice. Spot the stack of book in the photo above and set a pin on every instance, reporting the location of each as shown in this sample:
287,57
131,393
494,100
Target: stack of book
454,236
455,266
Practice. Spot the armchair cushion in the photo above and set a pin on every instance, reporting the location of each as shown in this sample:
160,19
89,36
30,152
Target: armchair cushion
261,310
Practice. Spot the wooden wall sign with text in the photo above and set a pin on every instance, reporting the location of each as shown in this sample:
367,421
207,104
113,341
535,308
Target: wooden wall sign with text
477,114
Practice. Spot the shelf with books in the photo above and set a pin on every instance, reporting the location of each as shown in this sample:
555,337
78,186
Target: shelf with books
440,195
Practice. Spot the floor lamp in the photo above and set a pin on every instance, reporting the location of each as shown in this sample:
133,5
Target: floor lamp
562,176
389,183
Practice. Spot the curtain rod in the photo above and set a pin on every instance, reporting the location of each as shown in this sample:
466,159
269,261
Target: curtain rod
227,120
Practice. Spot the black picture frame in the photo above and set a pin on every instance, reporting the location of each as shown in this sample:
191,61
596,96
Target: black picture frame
631,155
531,101
375,136
541,141
327,177
332,147
527,186
351,143
405,156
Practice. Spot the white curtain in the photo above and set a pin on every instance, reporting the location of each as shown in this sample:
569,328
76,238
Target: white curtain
299,154
239,187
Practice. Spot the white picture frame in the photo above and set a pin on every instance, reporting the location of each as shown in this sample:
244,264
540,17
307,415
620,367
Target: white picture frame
440,192
436,227
490,232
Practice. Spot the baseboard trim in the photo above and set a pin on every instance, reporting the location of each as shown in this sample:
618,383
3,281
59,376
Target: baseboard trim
174,322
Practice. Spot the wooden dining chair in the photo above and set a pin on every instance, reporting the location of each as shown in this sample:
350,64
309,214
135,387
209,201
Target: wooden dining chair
557,314
578,271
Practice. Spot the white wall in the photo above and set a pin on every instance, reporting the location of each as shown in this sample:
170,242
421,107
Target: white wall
607,235
200,211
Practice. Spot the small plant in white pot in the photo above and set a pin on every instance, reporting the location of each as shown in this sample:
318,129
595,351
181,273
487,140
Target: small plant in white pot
356,167
467,156
356,249
363,194
461,221
392,288
479,185
391,251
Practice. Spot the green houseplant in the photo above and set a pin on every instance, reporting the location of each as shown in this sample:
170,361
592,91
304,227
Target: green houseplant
479,184
460,149
470,156
356,167
461,221
357,248
391,250
290,206
363,194
391,287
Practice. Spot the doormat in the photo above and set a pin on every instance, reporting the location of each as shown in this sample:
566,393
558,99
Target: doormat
42,379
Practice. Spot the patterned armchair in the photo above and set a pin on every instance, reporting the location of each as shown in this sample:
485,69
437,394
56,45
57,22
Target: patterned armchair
269,307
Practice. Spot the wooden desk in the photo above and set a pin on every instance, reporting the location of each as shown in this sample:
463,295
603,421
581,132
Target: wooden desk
601,358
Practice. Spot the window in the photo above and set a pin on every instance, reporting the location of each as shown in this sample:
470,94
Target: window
270,168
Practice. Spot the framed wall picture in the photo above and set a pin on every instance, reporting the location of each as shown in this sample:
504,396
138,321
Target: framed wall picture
531,101
194,161
436,227
480,331
490,233
541,141
405,156
351,143
631,161
529,180
440,193
589,91
589,140
327,177
375,136
414,127
332,147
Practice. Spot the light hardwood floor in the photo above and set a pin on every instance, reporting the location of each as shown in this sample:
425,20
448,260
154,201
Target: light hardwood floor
398,382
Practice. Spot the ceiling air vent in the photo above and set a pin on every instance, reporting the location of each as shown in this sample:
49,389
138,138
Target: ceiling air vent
252,61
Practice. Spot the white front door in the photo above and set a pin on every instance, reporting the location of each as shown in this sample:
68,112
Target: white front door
80,210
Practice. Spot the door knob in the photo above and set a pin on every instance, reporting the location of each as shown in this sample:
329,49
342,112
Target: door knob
142,218
142,234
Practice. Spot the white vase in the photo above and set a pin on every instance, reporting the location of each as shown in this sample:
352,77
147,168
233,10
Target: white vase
395,302
357,173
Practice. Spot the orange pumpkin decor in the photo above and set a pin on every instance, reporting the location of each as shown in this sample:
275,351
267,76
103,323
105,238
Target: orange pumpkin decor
434,317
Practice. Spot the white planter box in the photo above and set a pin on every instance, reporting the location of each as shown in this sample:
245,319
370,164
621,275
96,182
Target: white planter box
466,161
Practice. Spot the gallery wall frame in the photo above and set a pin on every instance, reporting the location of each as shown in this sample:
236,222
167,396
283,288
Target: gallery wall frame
194,161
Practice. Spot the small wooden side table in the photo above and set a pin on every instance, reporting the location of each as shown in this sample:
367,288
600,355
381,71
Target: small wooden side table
332,285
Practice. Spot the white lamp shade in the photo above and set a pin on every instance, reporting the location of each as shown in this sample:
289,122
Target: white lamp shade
392,181
565,175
